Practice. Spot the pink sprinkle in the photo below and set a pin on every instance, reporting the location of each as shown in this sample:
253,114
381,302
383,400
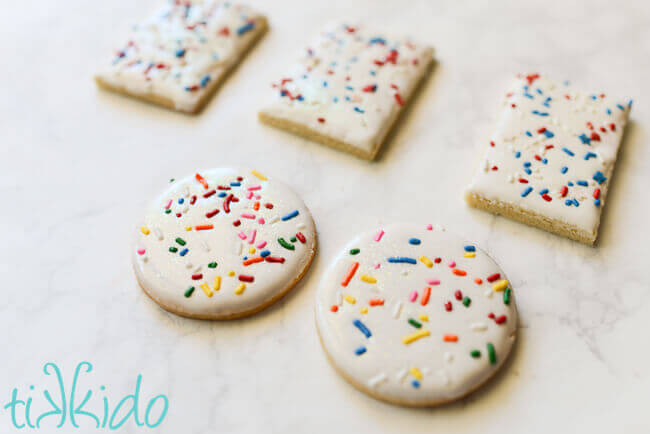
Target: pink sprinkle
141,251
242,235
377,265
249,195
261,221
379,235
261,245
251,240
429,227
168,204
256,187
433,282
413,296
248,216
452,264
258,197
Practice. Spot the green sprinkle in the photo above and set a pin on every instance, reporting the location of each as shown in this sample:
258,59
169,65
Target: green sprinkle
167,211
475,353
212,265
506,296
467,301
414,323
171,180
180,241
355,251
286,245
173,249
294,239
189,291
492,354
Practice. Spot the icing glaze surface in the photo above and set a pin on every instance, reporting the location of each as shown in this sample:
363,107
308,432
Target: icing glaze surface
413,315
183,48
553,152
351,83
222,242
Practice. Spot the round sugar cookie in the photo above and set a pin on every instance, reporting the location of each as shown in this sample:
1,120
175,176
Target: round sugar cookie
222,244
414,316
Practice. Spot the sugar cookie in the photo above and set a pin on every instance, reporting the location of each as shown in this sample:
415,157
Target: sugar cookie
348,88
550,160
178,57
414,316
222,244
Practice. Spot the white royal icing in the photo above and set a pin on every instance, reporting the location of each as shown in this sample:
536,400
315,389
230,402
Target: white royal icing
427,370
182,48
553,152
254,203
350,84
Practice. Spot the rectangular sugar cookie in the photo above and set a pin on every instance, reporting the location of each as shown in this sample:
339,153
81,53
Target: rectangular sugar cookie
178,56
550,160
348,88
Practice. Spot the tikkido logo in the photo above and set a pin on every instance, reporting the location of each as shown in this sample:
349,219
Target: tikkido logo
63,408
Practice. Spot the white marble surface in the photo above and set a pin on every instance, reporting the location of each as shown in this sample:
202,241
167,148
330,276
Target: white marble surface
78,165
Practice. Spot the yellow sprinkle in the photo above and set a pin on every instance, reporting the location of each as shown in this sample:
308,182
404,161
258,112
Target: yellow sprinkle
145,230
259,175
500,285
240,289
415,336
251,250
350,299
368,279
217,283
231,273
426,261
416,373
424,318
188,228
470,254
206,288
364,310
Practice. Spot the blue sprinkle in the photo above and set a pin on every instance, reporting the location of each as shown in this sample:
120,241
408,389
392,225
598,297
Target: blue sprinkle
589,155
599,177
180,52
360,351
526,192
539,91
597,202
181,200
527,95
538,113
528,171
402,260
415,383
470,248
582,183
265,253
543,192
575,202
529,134
570,184
336,99
245,28
549,134
183,252
564,169
608,111
546,103
568,151
300,98
545,160
349,87
585,140
245,257
222,194
205,80
347,98
235,184
289,216
594,97
414,241
362,327
358,110
373,73
517,154
568,202
377,41
621,107
527,164
324,84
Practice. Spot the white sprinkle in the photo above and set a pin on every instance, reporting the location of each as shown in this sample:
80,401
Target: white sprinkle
377,379
158,233
511,179
478,326
401,375
397,309
448,357
237,248
405,272
339,298
443,376
188,264
274,220
301,226
186,190
197,269
488,293
186,208
205,246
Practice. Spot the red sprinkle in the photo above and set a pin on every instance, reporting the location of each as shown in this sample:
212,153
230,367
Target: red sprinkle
612,127
492,144
523,180
494,277
399,100
595,137
274,259
244,278
321,120
212,213
236,223
597,193
564,190
458,294
376,302
268,205
197,276
501,319
301,237
437,260
334,308
370,88
546,197
209,193
448,306
193,200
